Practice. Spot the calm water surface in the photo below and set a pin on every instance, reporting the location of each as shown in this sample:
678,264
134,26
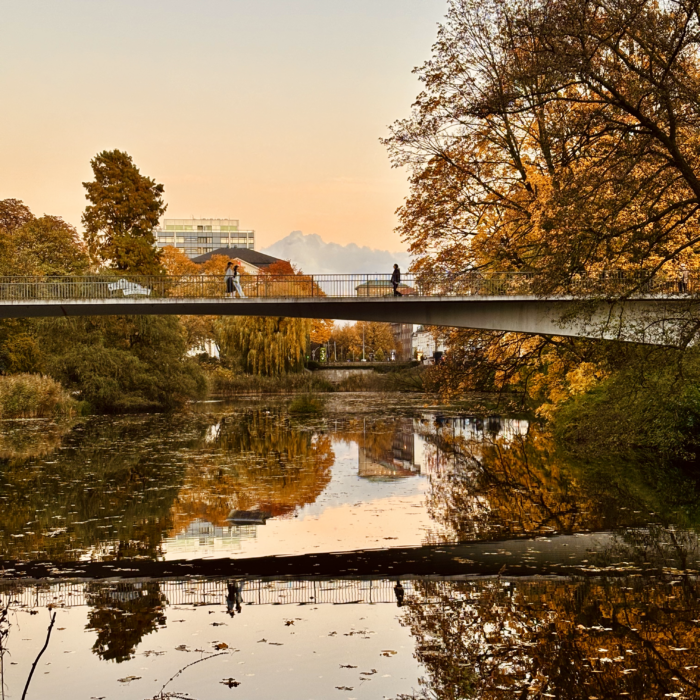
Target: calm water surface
247,479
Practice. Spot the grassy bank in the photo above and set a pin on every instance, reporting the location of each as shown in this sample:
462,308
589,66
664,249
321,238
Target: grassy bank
34,396
226,382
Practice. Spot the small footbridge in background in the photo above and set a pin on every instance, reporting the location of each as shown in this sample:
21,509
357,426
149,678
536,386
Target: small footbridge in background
613,306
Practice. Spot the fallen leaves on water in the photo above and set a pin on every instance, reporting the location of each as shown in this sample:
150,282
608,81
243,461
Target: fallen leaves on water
230,682
182,647
128,679
343,687
388,652
220,645
289,622
347,666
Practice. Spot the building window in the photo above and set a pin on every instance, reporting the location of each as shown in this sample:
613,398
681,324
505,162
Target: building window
204,239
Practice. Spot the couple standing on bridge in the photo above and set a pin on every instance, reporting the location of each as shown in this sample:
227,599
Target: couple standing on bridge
232,278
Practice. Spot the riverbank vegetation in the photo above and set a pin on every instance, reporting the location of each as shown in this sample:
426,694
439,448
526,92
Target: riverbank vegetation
34,396
109,364
306,403
149,363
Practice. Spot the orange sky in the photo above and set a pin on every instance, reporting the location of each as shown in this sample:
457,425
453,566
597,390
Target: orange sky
263,110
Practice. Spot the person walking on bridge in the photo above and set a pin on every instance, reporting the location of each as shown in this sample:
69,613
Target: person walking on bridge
396,280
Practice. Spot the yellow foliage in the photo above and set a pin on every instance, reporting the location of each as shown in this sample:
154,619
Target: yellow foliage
321,330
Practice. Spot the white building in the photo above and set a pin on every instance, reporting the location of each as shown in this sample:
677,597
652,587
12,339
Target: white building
198,236
424,345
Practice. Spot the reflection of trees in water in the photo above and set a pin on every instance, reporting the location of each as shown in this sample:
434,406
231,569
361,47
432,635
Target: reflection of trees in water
117,486
21,440
600,638
109,488
122,616
258,460
501,488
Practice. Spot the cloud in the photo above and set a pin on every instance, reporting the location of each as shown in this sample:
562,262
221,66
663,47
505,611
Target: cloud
314,256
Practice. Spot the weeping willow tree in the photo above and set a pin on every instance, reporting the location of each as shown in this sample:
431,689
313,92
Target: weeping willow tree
270,346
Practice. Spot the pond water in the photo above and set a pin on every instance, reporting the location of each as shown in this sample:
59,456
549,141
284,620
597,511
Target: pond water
384,548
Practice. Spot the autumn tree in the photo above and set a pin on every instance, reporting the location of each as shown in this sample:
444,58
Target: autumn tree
176,263
125,208
378,339
13,214
270,346
321,330
557,138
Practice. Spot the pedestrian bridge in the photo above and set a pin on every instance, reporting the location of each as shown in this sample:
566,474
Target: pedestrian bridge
614,307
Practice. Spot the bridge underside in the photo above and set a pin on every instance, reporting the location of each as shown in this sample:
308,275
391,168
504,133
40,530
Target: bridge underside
655,321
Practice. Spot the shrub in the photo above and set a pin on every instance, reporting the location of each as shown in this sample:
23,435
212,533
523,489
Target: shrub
229,382
306,403
34,396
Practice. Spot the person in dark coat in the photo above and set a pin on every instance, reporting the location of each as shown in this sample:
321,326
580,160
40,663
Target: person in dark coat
234,597
399,593
396,280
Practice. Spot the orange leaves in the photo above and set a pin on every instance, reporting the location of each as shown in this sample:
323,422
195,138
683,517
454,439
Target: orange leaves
177,263
321,330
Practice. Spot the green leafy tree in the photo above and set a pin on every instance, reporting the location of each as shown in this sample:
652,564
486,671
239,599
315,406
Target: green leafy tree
125,208
122,363
48,246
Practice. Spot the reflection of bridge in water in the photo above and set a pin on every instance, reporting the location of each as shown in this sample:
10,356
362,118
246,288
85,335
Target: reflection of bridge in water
207,592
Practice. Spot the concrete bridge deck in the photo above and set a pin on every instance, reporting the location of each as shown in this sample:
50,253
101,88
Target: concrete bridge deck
654,313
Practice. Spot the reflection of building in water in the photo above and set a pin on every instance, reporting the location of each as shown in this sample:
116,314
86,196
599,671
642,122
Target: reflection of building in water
388,456
432,430
424,445
201,534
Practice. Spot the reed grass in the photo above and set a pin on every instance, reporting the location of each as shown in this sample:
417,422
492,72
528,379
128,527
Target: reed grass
34,396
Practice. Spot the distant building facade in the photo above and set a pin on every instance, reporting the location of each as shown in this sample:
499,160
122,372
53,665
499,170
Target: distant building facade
403,333
200,236
424,345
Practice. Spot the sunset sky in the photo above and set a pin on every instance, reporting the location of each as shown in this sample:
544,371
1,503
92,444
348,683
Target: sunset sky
269,111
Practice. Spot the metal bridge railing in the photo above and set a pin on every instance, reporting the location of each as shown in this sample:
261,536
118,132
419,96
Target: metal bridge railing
499,284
